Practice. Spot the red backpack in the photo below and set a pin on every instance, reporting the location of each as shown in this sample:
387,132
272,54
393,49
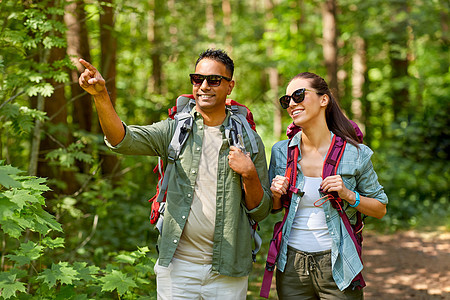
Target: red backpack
241,119
330,165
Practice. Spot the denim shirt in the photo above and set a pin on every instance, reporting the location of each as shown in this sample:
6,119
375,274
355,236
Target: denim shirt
358,174
232,243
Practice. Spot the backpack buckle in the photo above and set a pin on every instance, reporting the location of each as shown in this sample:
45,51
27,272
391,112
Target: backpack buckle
270,267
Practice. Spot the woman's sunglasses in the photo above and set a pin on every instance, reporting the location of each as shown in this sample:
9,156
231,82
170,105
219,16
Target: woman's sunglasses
213,80
298,96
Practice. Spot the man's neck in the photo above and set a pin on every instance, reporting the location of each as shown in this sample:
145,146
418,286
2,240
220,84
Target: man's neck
213,118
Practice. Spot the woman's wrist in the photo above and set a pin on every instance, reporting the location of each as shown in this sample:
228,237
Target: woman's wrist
357,200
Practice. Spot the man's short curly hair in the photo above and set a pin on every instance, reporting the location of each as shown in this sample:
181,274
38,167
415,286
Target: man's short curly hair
218,55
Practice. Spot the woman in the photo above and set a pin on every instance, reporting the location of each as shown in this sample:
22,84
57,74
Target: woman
317,259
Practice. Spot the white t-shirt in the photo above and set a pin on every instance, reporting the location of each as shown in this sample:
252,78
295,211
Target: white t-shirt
197,239
309,231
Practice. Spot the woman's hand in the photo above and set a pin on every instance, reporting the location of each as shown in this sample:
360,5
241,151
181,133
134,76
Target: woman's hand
278,188
367,206
336,184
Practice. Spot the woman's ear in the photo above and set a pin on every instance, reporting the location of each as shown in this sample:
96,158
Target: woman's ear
324,100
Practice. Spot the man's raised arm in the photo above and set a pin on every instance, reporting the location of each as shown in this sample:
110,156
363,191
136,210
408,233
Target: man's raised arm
92,82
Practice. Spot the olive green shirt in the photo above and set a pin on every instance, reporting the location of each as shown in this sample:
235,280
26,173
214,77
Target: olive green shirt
232,237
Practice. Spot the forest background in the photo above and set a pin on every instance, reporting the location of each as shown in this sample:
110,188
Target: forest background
74,216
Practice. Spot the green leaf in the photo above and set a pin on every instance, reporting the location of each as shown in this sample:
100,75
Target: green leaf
61,272
7,181
125,258
117,280
35,183
7,208
11,228
46,90
53,243
87,274
44,221
9,286
68,204
21,197
27,252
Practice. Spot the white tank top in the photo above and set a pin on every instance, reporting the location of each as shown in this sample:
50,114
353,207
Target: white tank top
309,231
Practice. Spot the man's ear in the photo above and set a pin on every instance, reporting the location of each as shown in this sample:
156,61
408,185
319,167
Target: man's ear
230,87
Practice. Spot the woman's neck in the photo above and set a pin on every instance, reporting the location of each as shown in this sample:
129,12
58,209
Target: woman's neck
316,139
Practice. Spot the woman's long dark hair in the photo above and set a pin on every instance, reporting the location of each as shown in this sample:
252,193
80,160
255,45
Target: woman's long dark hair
337,122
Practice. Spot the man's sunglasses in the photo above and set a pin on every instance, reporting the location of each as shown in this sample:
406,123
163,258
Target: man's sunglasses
213,80
298,96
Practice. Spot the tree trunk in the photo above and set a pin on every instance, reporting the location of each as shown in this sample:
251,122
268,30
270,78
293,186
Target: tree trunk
359,69
273,80
154,37
108,42
210,22
399,61
78,46
226,9
56,129
56,108
330,44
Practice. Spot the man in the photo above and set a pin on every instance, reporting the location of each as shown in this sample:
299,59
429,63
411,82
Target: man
205,244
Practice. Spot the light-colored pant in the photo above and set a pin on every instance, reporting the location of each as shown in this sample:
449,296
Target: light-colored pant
186,280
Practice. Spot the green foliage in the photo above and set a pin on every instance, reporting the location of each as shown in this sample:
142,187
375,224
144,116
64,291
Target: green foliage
117,280
30,268
9,285
67,156
19,119
21,200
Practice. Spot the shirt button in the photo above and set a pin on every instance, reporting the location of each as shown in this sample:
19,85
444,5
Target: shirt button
174,241
183,217
193,171
200,127
198,148
328,216
189,195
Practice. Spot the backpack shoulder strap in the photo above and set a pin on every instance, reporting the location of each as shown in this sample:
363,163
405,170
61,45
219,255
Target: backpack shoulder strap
331,163
238,123
275,243
184,121
291,173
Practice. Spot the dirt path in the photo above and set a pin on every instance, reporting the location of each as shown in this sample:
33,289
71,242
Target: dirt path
407,265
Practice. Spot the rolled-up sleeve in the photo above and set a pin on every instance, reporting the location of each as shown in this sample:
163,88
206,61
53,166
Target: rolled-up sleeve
367,182
144,140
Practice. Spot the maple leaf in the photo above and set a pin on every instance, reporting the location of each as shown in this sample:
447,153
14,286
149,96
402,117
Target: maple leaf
36,183
117,280
61,272
85,273
28,251
9,286
6,180
21,197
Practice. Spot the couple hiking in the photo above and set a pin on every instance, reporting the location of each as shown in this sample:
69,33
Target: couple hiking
219,182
